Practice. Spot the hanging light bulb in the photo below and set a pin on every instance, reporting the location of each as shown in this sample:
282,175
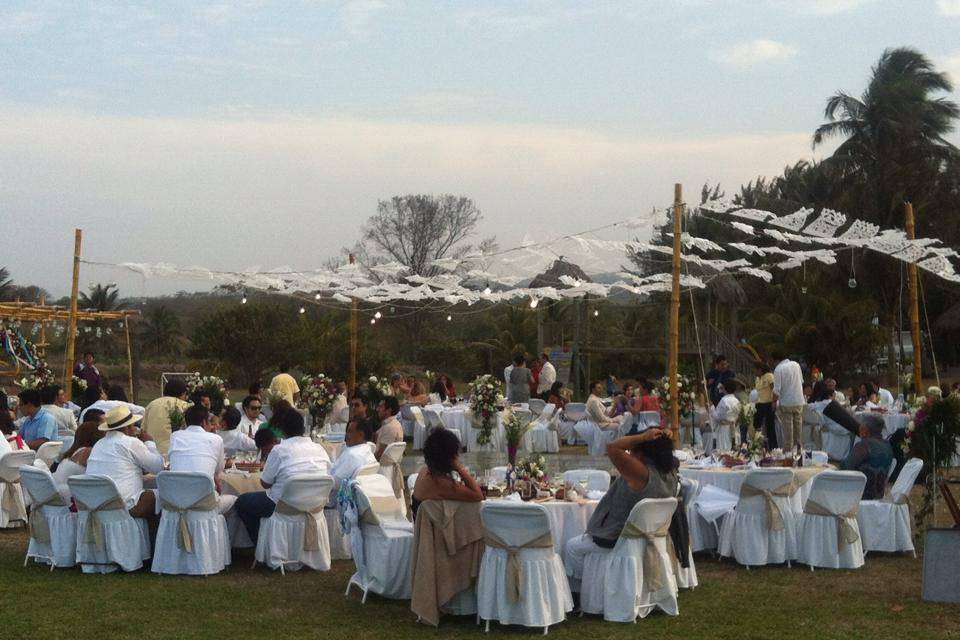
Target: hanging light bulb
596,312
449,318
303,310
378,315
392,309
243,300
852,283
373,321
534,302
803,289
487,291
316,297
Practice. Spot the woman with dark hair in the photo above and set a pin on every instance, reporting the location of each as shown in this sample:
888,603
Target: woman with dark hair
520,378
418,395
440,389
556,397
647,469
280,407
643,399
73,462
441,455
450,391
622,401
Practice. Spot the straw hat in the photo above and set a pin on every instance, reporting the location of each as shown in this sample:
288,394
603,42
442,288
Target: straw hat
118,418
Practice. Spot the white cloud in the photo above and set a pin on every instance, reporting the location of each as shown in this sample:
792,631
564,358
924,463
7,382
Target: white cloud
828,7
753,52
278,190
358,15
951,65
949,8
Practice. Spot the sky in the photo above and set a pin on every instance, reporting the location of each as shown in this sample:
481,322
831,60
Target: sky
262,134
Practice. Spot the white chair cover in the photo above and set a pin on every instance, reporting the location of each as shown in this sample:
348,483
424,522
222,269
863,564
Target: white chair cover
13,511
836,440
383,542
49,452
53,528
367,470
536,405
597,479
687,577
123,540
431,416
286,540
573,413
629,581
885,525
189,498
828,535
408,419
810,428
596,438
710,505
390,468
420,427
543,436
543,596
747,534
648,419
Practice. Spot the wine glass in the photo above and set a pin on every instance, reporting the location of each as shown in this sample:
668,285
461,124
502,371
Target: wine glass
584,482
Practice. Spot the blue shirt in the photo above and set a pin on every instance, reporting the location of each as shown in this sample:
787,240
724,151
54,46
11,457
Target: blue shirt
41,425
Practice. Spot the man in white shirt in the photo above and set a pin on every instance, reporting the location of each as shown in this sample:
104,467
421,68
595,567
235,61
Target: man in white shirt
726,415
886,398
596,411
233,439
788,395
354,455
125,458
506,373
106,402
251,420
548,375
199,448
52,398
296,455
390,430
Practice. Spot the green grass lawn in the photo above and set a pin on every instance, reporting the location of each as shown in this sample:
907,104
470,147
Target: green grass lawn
881,600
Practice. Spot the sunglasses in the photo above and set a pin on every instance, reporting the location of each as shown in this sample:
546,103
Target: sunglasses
255,407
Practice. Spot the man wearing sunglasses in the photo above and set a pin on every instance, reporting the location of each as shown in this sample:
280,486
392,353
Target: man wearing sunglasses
251,420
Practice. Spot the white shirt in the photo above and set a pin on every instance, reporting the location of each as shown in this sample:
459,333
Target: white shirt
348,462
597,412
234,441
788,383
548,375
193,449
293,457
65,469
66,421
106,405
249,427
506,374
125,460
340,411
727,410
5,446
886,398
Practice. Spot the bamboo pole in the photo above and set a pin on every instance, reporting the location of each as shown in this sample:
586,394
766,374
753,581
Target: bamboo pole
42,345
914,307
126,330
72,323
354,339
675,314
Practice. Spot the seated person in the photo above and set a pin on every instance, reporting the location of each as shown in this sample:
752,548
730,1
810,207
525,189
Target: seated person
355,454
198,448
340,411
104,400
441,455
251,419
265,441
647,470
296,455
39,425
621,402
390,430
555,396
53,399
123,456
279,407
871,456
596,411
418,395
644,400
234,439
73,461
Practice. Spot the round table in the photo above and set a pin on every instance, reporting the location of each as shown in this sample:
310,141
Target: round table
892,422
567,519
461,419
237,484
731,479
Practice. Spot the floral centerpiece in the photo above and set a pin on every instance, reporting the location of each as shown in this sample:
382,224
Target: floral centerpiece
756,444
212,386
378,387
41,376
532,468
317,394
78,387
515,425
685,388
484,396
747,411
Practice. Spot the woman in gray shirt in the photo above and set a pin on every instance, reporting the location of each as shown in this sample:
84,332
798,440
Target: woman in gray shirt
520,379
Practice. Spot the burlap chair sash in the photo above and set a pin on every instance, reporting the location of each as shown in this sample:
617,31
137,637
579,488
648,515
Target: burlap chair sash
774,516
652,571
39,526
93,529
184,539
396,477
12,499
846,534
378,504
311,533
514,569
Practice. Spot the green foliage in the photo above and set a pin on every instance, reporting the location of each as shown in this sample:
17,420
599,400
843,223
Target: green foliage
934,440
101,298
159,332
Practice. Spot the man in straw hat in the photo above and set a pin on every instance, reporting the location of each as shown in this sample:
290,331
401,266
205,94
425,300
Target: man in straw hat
122,456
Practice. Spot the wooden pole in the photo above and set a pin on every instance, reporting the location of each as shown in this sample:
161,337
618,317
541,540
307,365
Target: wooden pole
126,330
914,307
42,346
72,323
675,314
354,339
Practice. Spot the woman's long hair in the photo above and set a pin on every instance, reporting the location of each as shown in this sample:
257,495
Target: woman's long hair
87,435
659,453
440,450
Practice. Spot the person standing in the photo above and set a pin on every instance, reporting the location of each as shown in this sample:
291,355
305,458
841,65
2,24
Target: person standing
788,396
40,426
763,419
720,374
88,371
156,415
284,385
519,388
548,375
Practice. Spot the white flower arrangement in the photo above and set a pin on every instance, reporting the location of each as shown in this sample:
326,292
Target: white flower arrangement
212,386
684,389
485,394
533,467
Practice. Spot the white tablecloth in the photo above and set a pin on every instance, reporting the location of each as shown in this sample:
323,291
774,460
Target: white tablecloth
731,479
568,519
892,422
461,419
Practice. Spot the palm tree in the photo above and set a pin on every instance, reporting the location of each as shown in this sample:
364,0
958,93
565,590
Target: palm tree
895,145
101,298
6,283
160,330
